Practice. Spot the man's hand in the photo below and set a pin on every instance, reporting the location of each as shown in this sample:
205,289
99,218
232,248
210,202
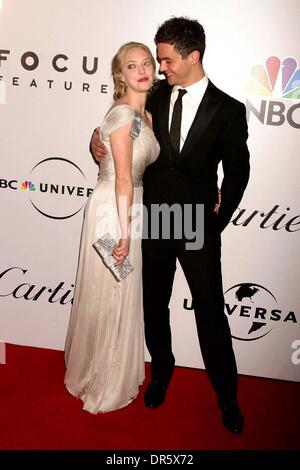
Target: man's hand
97,147
218,205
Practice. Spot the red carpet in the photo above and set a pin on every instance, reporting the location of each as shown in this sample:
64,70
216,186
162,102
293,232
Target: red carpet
38,413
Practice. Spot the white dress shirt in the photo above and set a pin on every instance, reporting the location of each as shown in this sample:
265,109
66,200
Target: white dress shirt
190,104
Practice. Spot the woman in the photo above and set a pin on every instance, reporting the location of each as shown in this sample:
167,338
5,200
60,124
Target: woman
105,341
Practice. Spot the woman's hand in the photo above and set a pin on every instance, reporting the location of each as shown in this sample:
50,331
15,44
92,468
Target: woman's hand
121,250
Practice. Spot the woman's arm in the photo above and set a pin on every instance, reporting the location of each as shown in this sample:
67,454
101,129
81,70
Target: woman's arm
121,145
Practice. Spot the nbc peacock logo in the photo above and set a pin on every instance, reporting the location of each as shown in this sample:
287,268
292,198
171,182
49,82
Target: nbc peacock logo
278,83
27,186
279,79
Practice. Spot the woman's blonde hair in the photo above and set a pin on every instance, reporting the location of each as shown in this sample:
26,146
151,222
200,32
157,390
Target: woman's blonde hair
117,63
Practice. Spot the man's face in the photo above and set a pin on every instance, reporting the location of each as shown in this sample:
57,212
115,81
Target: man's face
176,69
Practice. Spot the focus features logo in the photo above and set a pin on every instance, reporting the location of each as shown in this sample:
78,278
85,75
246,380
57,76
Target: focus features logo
29,69
255,311
56,188
278,82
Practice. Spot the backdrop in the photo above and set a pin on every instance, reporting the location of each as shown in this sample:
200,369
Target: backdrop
54,90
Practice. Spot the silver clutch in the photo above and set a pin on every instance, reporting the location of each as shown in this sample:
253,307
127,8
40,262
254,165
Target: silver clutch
104,247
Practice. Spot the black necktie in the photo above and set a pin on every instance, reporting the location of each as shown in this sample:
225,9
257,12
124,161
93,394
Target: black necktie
176,122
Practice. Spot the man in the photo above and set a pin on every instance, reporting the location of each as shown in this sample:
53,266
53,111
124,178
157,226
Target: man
212,129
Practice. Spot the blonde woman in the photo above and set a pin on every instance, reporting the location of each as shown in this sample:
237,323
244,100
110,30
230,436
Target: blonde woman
105,341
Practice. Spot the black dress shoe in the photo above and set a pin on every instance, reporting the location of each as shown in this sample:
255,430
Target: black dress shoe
155,394
232,417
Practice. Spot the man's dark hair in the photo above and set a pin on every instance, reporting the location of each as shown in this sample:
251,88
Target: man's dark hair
185,34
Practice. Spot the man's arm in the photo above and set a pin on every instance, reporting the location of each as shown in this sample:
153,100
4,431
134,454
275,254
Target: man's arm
97,148
235,161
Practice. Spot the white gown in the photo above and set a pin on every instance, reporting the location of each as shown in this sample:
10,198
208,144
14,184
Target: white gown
104,351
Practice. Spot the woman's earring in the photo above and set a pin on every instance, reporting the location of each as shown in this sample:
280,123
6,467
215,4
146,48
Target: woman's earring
124,87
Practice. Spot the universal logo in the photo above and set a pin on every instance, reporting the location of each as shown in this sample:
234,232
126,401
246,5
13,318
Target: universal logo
279,82
253,311
56,188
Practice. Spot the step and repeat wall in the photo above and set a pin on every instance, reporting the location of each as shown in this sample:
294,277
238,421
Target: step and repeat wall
55,87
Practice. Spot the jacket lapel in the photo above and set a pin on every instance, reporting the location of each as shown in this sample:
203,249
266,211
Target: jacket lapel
163,119
211,102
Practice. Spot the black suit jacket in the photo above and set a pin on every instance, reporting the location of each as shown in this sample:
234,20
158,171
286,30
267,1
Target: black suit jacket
217,134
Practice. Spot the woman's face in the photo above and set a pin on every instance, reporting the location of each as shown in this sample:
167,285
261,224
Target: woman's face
137,70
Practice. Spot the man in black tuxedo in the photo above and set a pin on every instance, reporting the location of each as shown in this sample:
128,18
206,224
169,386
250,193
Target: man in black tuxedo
212,129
